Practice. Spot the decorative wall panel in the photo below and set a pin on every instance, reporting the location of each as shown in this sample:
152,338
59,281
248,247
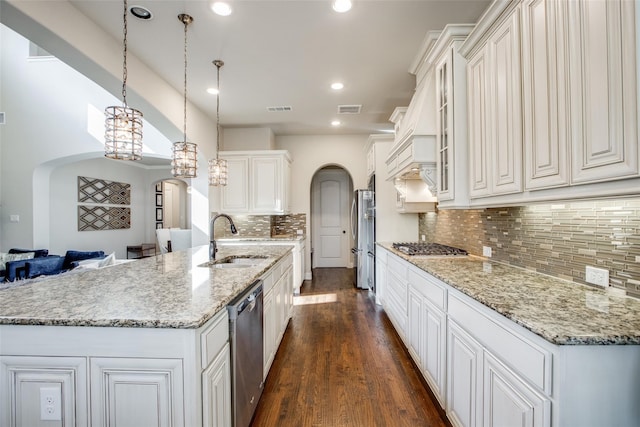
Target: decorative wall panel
92,190
92,218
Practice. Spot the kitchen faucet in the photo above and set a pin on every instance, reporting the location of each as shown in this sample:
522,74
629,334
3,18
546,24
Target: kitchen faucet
212,240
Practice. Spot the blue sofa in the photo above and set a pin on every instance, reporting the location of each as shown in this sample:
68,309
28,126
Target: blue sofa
13,270
47,265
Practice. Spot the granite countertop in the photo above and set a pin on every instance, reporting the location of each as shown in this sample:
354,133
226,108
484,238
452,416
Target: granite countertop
283,237
560,311
165,291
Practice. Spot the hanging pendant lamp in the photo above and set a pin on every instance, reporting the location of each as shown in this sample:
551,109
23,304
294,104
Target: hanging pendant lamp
123,124
184,160
218,167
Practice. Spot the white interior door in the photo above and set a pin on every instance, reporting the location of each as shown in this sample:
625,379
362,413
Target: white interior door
330,238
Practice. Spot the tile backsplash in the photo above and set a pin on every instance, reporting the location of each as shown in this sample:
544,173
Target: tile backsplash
555,239
262,225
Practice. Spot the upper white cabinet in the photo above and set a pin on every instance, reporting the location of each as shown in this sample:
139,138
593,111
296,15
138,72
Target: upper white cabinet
546,119
552,101
258,182
451,111
603,89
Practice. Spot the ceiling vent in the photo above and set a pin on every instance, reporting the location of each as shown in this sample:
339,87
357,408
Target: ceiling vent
280,109
349,109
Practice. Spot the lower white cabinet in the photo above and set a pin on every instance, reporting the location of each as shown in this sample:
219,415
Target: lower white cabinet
509,400
216,391
464,358
486,370
136,392
277,306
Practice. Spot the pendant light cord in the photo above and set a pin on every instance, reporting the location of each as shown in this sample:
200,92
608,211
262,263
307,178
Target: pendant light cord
124,60
186,24
218,63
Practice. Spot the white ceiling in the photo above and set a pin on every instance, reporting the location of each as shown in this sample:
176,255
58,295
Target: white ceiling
287,53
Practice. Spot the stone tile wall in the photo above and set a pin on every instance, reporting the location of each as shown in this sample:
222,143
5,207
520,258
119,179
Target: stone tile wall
555,239
262,225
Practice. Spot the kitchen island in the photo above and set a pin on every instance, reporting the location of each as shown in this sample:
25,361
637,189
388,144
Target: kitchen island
500,345
140,343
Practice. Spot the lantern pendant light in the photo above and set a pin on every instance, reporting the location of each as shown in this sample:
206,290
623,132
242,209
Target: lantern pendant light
218,167
184,160
123,125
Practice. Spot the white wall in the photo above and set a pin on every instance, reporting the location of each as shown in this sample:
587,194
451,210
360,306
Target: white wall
50,125
247,139
309,153
64,208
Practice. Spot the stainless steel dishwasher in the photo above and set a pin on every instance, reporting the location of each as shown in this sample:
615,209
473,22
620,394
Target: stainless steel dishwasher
245,327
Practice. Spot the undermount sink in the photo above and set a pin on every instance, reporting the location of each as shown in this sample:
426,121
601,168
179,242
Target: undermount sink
235,261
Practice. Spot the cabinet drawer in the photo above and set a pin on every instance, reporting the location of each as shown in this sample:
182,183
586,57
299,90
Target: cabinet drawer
214,337
398,266
432,289
528,359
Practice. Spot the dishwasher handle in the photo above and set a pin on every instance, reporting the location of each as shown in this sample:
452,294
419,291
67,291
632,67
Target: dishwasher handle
246,300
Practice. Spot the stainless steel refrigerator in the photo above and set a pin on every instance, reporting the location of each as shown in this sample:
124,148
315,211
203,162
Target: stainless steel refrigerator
363,233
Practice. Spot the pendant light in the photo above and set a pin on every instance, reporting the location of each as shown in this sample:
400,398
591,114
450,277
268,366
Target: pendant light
123,125
218,166
184,160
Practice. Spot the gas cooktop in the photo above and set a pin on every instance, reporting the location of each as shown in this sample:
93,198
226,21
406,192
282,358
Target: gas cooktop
430,249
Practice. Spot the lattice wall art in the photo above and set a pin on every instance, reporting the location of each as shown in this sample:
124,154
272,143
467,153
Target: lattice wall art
92,190
101,214
92,218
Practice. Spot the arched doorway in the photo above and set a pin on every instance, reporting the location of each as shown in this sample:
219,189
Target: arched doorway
331,193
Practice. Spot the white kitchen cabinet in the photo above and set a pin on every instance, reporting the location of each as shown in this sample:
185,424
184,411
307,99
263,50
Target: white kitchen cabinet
144,392
464,365
371,161
381,273
258,182
545,103
426,329
395,294
479,148
451,132
510,401
603,90
26,376
216,391
505,106
277,308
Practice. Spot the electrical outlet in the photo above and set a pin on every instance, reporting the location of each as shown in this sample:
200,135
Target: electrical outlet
423,237
50,404
486,251
597,276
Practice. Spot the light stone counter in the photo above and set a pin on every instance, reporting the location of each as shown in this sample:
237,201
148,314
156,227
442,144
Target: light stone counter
165,291
560,311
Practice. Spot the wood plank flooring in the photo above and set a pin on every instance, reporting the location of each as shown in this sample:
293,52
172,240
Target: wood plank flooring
341,364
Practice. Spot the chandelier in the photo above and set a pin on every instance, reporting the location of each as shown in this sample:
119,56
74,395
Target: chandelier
184,159
123,125
218,167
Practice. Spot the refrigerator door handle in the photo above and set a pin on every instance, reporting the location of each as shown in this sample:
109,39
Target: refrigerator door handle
351,218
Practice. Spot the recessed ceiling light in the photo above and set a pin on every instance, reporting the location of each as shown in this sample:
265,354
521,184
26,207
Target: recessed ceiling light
341,6
221,8
212,91
337,86
141,12
335,123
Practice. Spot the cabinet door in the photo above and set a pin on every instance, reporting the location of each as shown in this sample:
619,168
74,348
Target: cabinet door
136,392
444,132
269,330
235,195
216,391
464,392
479,148
603,88
505,107
415,326
266,185
434,335
25,378
509,400
546,120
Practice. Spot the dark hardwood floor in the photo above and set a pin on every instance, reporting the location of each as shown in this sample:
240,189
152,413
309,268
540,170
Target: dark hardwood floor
341,364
